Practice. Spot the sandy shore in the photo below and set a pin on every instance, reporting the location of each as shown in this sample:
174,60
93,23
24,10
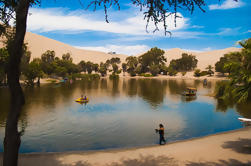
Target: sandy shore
225,149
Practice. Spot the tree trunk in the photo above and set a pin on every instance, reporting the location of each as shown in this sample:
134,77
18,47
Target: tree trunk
12,137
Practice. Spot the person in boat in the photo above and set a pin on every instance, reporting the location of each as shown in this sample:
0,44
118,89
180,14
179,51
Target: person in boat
85,98
161,134
82,98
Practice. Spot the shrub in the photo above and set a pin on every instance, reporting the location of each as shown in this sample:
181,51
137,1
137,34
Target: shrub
183,73
146,75
197,73
203,73
114,76
172,72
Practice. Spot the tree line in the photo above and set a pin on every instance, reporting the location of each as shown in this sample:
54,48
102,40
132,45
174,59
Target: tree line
153,62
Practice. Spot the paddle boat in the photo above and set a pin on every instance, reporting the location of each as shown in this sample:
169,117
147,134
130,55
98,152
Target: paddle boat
82,100
190,91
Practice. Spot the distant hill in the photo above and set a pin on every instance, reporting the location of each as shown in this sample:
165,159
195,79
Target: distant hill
204,58
39,44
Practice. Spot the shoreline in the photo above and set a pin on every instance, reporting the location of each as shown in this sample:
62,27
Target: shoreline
137,147
229,146
160,77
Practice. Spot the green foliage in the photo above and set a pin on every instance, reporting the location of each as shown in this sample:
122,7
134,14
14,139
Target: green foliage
185,63
124,67
154,69
95,67
115,68
103,69
197,73
82,66
114,76
3,64
183,73
164,69
132,63
26,55
203,73
154,56
89,67
238,64
48,65
32,71
172,72
146,75
210,70
67,57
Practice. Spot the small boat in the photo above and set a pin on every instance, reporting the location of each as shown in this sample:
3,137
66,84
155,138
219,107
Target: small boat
246,121
82,100
190,92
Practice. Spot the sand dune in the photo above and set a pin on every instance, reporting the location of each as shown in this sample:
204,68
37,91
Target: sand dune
204,58
39,44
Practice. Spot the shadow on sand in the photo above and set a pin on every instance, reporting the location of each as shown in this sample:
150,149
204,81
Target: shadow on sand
230,162
240,146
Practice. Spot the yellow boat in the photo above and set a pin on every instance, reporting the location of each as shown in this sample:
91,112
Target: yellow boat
190,92
81,100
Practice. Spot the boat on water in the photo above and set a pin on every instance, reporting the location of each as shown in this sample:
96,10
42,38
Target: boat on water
190,91
82,100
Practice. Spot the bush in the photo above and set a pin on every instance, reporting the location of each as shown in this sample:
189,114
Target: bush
183,73
114,76
203,73
172,72
146,75
197,73
132,73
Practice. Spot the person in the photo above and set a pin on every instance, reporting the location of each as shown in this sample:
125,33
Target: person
82,98
161,134
85,98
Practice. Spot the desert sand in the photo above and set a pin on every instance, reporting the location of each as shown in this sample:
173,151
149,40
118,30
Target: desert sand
225,149
38,44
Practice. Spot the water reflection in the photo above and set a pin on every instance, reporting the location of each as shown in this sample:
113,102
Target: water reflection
120,113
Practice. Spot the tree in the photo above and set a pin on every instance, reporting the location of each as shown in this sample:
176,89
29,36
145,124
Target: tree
95,67
82,66
115,60
32,71
102,69
124,67
115,68
89,67
3,64
132,63
154,56
67,57
185,63
48,59
210,70
239,66
154,69
155,10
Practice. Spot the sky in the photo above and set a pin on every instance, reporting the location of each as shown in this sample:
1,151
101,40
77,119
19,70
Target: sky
224,23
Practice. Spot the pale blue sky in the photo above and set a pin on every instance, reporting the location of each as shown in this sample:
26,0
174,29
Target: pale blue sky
223,24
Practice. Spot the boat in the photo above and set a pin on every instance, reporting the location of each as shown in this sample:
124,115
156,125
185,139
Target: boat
246,121
81,100
190,91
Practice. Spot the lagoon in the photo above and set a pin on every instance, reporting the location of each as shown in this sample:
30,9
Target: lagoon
120,114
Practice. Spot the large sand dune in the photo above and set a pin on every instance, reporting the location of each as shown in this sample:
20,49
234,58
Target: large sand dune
204,58
39,44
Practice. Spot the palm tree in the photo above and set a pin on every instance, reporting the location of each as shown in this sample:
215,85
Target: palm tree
210,70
